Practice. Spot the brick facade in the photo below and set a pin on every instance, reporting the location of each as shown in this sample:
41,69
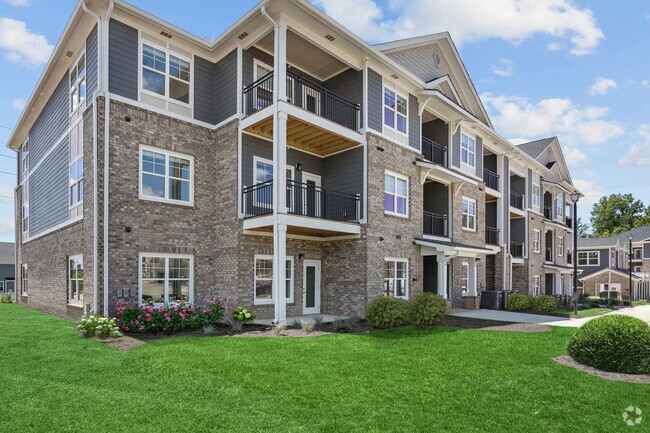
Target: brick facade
590,284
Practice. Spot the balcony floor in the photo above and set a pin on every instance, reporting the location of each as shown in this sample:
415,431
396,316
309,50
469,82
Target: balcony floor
303,226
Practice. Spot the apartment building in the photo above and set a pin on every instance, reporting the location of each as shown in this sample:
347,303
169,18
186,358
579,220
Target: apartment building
604,263
286,165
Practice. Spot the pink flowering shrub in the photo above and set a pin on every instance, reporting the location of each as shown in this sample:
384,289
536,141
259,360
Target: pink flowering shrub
180,315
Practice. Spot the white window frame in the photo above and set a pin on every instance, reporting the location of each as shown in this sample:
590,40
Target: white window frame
256,63
78,300
609,289
166,176
395,260
25,210
392,88
76,86
468,214
637,268
465,165
168,52
76,210
395,195
559,207
536,196
24,159
24,281
537,241
587,259
537,285
290,168
2,286
464,277
167,257
290,280
560,246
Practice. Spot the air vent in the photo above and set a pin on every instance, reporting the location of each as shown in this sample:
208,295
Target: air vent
243,35
395,77
330,38
165,34
69,54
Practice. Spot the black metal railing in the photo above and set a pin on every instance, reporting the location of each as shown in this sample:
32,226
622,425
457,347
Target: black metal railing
569,222
305,94
516,200
548,212
435,224
258,95
549,254
491,236
516,249
491,179
434,152
302,199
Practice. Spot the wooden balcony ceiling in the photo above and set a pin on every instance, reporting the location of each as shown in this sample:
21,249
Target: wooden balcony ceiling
304,231
305,136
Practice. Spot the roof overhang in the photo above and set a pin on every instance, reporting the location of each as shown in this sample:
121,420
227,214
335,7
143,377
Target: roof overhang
441,174
613,271
452,248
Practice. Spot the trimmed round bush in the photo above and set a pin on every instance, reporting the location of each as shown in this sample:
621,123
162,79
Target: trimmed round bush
426,309
385,313
518,302
616,343
545,303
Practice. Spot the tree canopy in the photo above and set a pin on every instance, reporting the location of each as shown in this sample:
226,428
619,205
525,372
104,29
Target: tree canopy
617,213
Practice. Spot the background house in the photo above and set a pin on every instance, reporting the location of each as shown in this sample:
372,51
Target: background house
7,268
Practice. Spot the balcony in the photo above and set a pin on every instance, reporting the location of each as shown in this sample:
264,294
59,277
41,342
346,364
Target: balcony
569,257
491,236
434,152
516,200
435,224
569,222
517,249
549,254
303,200
491,179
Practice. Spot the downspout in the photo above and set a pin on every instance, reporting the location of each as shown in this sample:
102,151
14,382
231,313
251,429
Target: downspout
107,108
98,90
507,258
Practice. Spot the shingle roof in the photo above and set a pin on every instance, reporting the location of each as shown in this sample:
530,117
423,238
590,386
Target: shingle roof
535,148
597,242
639,234
7,253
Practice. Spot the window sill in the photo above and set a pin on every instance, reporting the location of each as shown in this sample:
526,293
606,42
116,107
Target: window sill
189,204
465,229
271,302
397,215
77,306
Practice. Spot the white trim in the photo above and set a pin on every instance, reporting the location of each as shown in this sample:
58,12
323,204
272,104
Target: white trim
537,285
587,257
167,256
466,166
256,63
166,176
407,198
78,302
53,229
398,93
290,299
82,104
317,181
475,225
395,260
316,264
539,196
560,246
537,250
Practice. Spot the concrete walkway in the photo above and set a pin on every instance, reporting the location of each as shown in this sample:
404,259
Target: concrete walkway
642,313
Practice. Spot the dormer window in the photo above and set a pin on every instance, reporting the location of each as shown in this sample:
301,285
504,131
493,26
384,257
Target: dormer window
78,83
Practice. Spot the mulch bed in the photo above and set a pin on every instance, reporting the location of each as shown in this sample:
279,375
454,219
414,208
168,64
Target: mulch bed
618,377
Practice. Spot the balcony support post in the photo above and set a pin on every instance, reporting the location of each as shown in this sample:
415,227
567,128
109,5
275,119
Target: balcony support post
471,277
442,276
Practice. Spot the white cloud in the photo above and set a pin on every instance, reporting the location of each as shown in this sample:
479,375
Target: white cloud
639,154
6,194
554,46
22,45
602,85
573,155
592,191
504,68
19,3
18,103
471,20
576,126
645,83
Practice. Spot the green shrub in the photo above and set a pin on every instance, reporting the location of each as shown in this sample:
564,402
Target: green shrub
518,302
545,303
343,327
385,313
243,315
6,299
426,309
615,343
91,325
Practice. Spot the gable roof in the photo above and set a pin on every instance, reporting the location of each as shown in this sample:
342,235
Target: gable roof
597,242
535,148
539,149
639,234
612,270
7,253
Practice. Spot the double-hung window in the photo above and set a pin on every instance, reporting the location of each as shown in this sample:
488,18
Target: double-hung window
588,258
395,111
468,213
76,170
24,159
468,151
165,74
23,280
464,276
76,280
536,285
536,196
396,189
166,278
263,286
25,209
166,176
559,207
396,278
78,83
264,174
560,246
537,236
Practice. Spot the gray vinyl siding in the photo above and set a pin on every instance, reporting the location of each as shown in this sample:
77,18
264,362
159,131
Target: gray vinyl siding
375,103
604,262
348,85
226,87
204,90
455,149
48,191
7,273
247,66
529,189
51,124
479,157
415,140
646,251
343,173
91,64
123,60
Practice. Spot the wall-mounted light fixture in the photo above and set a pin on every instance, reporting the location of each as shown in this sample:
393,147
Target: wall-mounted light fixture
299,166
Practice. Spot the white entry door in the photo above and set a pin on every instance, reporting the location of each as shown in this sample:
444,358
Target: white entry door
311,287
313,195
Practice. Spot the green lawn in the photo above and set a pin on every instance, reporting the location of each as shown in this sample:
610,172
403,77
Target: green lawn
441,380
590,312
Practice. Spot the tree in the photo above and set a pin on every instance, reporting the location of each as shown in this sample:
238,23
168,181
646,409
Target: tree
617,213
582,228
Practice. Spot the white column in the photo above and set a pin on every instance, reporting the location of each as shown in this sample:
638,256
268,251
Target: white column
279,269
471,277
442,276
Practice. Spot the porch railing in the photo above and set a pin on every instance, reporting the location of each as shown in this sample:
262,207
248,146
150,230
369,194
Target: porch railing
435,224
303,199
491,235
516,200
491,179
434,152
307,95
517,249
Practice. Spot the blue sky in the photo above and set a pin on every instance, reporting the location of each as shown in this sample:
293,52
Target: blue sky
576,69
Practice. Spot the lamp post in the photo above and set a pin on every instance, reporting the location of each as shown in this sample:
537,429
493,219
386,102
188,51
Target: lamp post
629,264
574,198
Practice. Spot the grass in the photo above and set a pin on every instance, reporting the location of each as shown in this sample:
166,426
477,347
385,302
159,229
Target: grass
409,380
589,312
